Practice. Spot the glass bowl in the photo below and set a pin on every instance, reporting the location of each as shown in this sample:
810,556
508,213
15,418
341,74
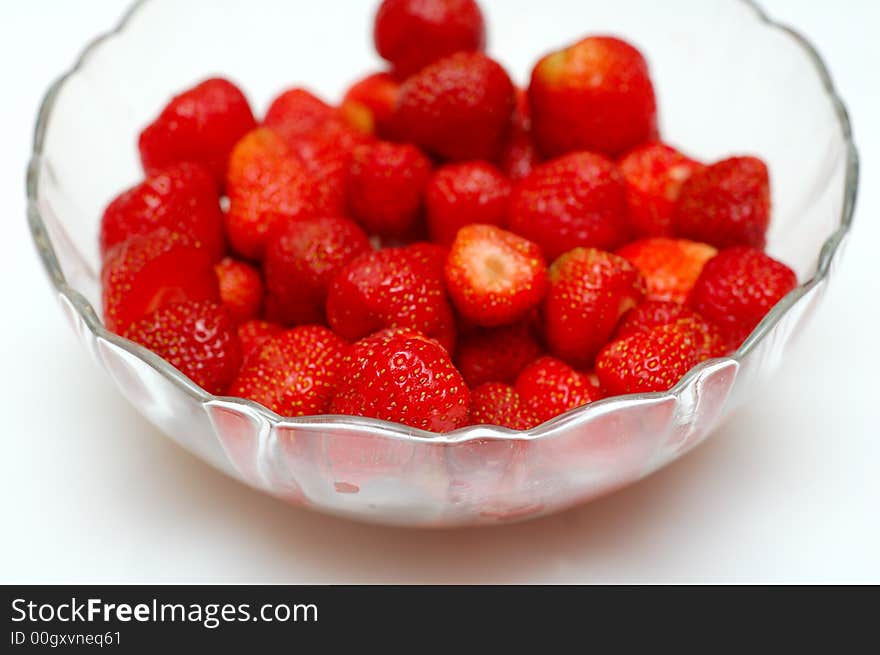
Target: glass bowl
729,80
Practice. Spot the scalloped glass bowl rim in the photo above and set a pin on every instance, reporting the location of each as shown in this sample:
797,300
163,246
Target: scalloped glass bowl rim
399,431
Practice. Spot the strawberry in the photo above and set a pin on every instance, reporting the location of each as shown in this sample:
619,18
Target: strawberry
266,183
550,387
497,354
494,277
197,337
369,104
654,174
655,359
589,291
241,289
727,204
651,313
386,186
457,108
520,156
148,272
670,266
410,34
403,377
737,288
495,403
595,95
253,334
390,288
462,194
182,198
297,112
302,258
200,125
576,200
294,373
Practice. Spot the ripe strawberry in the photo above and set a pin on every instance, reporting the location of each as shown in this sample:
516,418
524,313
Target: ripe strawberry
495,403
654,174
457,108
670,266
297,112
550,387
148,272
390,288
463,194
294,373
497,354
494,277
197,337
651,313
327,153
737,288
411,34
369,104
576,200
200,125
727,204
595,95
302,258
266,183
182,198
253,334
520,156
241,289
386,186
589,291
655,359
403,377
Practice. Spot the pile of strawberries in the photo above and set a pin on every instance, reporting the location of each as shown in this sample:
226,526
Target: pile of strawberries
441,249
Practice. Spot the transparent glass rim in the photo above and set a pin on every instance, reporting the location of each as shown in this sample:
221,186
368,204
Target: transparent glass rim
397,431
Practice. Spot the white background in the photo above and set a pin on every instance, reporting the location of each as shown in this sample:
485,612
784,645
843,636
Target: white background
787,491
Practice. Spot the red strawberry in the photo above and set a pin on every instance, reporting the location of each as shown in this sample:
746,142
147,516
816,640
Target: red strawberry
302,258
390,288
149,272
462,194
550,387
403,377
595,95
294,373
241,289
411,34
386,186
369,103
727,204
589,291
253,334
654,174
200,125
577,200
651,313
495,403
266,183
655,359
670,266
182,197
496,355
297,112
737,288
520,156
197,337
326,153
457,109
494,277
